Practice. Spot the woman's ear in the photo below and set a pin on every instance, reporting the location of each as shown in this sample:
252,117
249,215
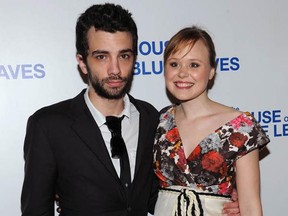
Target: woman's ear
212,76
212,73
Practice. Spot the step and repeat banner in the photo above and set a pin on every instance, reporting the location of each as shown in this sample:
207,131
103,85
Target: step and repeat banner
38,68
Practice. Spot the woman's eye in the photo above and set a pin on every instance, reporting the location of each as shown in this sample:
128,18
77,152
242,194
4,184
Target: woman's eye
194,65
173,64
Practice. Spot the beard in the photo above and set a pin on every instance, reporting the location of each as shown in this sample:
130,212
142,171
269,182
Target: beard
114,93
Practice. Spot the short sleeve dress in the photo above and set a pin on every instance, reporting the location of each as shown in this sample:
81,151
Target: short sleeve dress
199,184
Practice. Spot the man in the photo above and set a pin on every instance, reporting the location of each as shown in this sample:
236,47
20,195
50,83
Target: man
67,145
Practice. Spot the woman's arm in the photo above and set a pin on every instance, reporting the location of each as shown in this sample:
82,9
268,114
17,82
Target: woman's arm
248,184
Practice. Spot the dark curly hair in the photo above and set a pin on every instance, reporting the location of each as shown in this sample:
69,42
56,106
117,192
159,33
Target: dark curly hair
107,17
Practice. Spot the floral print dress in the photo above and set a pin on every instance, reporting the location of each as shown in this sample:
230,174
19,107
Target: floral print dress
211,165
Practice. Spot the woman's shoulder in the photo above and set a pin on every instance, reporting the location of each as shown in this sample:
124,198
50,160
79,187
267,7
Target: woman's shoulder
227,112
167,109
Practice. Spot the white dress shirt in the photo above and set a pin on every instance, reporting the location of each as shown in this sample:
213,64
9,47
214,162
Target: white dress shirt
130,130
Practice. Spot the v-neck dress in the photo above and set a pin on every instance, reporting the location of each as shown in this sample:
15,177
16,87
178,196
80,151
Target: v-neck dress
209,172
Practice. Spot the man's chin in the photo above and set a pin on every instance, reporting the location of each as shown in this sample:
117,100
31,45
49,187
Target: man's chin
112,95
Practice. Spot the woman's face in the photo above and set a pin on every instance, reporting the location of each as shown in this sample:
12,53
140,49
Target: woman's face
188,71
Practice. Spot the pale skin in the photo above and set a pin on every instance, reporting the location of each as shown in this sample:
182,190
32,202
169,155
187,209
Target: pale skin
187,73
232,208
109,54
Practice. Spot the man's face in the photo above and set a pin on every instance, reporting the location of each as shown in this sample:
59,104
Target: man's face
110,63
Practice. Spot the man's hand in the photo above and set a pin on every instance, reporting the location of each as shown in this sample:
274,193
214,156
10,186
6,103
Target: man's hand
232,208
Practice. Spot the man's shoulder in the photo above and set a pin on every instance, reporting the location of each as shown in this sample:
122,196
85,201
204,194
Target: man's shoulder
54,108
58,109
143,105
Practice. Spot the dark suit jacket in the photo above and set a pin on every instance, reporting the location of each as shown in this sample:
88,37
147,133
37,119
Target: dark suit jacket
65,153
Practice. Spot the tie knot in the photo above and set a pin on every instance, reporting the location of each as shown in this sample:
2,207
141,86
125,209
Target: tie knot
117,143
114,123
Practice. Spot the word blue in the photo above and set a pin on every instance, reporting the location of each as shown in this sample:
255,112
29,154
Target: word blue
154,67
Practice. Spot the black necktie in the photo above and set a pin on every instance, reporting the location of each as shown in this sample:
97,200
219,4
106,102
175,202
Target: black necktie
118,149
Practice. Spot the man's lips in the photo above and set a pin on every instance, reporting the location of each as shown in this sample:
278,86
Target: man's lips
115,83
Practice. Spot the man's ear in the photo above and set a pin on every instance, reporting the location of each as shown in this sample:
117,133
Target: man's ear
81,63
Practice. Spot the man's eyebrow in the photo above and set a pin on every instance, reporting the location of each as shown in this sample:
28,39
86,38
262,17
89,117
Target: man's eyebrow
106,52
99,52
126,50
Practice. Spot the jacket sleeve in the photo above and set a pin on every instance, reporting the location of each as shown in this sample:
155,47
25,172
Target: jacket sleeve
40,172
154,194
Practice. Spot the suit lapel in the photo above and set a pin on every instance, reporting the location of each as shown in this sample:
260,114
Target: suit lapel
143,130
88,131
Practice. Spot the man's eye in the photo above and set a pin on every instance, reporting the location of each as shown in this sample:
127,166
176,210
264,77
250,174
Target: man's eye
100,57
125,56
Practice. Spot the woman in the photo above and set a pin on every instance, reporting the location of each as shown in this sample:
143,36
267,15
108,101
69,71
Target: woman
200,143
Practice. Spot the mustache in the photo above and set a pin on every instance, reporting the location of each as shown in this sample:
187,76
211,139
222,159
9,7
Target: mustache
115,77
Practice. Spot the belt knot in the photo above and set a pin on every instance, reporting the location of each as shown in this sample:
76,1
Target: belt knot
188,204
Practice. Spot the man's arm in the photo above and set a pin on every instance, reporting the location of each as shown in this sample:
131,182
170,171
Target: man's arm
232,208
39,182
154,194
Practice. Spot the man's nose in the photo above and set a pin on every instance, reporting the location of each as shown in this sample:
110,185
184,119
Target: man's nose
114,66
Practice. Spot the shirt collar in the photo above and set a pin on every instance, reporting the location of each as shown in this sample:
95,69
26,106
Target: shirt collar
99,117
